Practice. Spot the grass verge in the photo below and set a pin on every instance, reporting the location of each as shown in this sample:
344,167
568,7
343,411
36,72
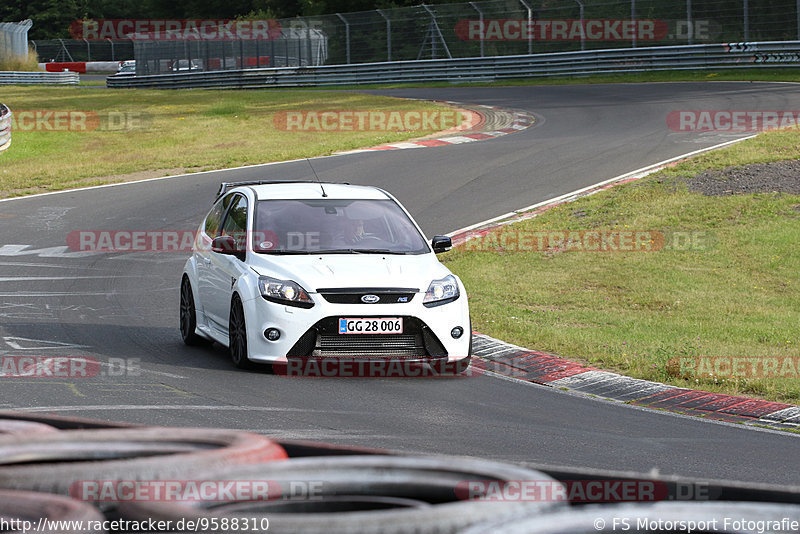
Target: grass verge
724,286
130,133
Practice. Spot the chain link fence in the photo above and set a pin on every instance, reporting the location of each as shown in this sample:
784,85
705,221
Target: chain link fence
511,27
459,30
14,39
70,50
295,47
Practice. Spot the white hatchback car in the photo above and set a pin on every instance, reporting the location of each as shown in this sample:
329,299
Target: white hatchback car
298,270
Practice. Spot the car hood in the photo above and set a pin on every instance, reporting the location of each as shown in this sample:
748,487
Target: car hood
353,270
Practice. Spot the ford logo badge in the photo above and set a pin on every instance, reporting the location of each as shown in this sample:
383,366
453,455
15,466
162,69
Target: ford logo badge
370,299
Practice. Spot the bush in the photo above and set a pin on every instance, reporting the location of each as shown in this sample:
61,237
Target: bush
16,63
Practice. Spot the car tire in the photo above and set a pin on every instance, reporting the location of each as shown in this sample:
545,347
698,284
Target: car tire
237,335
75,516
56,462
358,495
12,426
188,316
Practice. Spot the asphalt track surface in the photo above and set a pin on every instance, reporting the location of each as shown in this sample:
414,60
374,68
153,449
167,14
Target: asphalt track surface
112,306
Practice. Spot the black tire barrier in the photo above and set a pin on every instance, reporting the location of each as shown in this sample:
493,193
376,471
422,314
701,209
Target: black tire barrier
26,428
60,462
17,507
63,422
355,494
718,516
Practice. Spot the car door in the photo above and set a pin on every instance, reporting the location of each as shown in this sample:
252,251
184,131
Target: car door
223,269
212,227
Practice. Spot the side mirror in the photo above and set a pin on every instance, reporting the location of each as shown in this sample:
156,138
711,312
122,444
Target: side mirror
441,243
226,244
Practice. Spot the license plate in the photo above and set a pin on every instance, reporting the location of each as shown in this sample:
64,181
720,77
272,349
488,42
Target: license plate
371,325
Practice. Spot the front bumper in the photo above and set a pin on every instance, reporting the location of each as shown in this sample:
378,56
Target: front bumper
313,332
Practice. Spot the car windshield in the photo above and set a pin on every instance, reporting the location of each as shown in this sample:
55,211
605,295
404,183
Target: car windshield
331,226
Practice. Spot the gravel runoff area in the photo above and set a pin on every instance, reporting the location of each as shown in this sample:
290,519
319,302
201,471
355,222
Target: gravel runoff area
774,177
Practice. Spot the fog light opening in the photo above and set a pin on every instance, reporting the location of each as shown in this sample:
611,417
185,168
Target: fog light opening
272,334
457,332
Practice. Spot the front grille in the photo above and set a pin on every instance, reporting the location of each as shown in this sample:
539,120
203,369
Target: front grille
352,295
377,345
324,341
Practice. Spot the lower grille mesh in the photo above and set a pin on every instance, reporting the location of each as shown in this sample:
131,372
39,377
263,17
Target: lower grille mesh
353,346
324,341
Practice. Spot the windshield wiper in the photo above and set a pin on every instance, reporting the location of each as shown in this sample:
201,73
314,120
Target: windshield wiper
336,251
358,251
378,251
276,252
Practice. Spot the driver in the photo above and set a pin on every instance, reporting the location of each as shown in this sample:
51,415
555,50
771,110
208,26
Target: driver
355,231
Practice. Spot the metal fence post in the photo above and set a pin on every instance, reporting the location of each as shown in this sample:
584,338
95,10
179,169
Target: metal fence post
434,32
530,25
583,30
308,42
483,30
347,35
88,50
388,35
746,9
689,23
633,17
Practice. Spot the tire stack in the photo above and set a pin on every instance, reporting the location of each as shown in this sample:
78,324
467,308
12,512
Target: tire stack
47,464
51,469
729,517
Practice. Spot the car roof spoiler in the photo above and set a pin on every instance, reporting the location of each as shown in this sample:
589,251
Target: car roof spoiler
224,187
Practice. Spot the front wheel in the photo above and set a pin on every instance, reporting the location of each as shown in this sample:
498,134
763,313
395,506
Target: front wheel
237,335
188,317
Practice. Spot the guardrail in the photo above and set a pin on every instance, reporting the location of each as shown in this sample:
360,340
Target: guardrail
38,78
611,61
5,127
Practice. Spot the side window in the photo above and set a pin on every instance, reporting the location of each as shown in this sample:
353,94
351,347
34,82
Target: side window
236,221
214,217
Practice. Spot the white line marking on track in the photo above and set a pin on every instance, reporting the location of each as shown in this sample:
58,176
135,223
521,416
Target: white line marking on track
39,344
49,252
134,407
55,278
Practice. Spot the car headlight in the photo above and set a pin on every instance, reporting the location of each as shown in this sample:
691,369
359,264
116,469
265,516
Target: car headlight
284,292
441,292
